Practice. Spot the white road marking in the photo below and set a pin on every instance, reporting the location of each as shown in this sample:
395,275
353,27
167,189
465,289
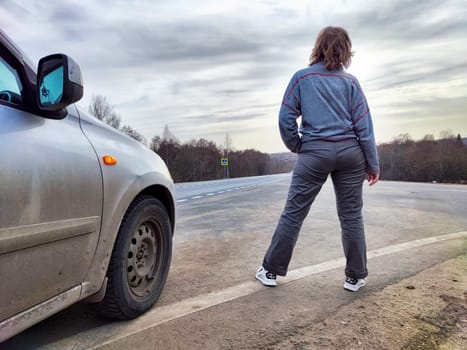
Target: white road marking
213,193
110,333
445,190
332,264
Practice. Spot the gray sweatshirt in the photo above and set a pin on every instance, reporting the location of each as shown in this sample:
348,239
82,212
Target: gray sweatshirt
333,108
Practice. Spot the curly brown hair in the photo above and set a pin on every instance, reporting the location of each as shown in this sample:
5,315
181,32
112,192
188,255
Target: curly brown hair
333,46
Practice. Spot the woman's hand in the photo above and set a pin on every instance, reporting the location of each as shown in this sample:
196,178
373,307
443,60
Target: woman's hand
372,179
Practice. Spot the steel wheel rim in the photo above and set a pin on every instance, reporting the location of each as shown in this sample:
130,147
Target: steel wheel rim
142,257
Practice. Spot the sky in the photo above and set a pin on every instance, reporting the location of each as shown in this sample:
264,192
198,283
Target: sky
208,68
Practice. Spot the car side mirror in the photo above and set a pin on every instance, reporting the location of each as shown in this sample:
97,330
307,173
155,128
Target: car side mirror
59,84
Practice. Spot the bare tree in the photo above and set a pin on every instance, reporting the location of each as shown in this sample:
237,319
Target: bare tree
100,107
227,143
103,110
446,134
128,130
155,143
167,135
113,120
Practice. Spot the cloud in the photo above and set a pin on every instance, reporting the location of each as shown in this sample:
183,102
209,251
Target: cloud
408,21
205,67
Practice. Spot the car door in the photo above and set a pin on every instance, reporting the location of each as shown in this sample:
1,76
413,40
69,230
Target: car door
50,199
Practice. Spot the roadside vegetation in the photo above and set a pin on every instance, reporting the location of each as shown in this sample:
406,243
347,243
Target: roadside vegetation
441,160
427,160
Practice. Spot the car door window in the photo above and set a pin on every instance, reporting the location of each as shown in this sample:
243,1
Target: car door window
10,84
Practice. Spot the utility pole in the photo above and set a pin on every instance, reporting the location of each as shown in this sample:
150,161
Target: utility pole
225,159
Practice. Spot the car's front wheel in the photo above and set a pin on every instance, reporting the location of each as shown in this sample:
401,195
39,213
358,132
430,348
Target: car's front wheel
140,260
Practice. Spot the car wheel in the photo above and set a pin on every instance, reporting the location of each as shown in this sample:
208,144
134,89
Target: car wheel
140,260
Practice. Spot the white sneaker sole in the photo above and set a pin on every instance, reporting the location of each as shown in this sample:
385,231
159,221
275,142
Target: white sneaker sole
265,281
355,287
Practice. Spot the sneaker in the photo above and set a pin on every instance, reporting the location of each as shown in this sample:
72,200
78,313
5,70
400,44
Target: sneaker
265,277
353,284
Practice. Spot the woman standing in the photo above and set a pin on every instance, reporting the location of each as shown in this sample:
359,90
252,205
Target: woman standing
335,137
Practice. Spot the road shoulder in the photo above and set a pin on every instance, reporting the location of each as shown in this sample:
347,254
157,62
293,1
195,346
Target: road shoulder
425,311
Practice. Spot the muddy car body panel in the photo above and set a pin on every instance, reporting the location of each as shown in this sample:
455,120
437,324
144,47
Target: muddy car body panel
61,206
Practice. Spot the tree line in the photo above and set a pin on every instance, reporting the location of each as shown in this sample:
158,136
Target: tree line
199,160
426,160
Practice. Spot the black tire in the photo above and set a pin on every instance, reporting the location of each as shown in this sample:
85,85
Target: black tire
140,260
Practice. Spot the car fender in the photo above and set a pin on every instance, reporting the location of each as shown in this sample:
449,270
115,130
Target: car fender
137,171
111,224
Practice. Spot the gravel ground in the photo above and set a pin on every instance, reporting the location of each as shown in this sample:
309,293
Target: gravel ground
427,311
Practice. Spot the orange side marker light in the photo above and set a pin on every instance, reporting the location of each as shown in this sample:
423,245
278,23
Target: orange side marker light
109,160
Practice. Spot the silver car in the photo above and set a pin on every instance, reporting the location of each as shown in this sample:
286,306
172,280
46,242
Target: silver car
85,211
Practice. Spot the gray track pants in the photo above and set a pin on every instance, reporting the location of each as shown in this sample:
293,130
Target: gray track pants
345,161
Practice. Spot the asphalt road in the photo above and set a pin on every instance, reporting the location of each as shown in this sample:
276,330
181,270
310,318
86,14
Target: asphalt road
196,190
211,300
